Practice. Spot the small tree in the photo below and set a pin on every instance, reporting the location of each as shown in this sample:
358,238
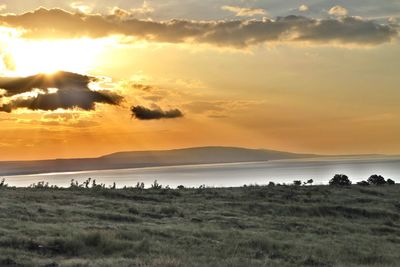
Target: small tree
340,180
376,180
310,182
390,182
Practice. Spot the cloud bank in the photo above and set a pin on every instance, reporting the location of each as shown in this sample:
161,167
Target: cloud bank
143,113
342,30
63,90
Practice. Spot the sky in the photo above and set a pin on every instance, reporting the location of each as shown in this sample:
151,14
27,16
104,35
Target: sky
88,78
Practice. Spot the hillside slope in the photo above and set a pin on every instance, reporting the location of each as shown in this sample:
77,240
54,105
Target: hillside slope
135,159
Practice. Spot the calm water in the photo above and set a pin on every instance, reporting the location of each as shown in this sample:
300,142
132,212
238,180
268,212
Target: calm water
232,174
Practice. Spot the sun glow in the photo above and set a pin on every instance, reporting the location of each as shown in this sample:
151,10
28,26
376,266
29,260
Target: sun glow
50,56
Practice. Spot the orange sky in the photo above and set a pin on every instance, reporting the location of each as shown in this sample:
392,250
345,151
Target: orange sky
314,89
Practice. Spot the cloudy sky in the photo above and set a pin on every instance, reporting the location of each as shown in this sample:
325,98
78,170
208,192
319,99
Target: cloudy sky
86,78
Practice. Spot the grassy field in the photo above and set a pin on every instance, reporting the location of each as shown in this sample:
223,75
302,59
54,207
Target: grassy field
249,226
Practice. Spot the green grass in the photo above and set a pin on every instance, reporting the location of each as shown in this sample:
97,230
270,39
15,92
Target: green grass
250,226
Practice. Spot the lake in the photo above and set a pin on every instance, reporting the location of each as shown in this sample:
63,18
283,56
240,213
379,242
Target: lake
229,174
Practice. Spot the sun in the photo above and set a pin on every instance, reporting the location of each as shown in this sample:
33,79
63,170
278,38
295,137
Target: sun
49,56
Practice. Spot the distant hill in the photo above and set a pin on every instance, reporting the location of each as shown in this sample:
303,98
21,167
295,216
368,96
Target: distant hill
136,159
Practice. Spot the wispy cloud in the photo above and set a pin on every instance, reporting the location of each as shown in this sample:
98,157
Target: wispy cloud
81,7
244,11
145,9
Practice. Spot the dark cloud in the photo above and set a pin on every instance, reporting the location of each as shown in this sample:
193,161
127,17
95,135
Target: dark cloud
43,23
64,90
143,113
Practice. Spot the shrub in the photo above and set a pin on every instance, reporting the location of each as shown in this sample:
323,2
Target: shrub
156,185
271,184
97,186
140,186
297,182
376,180
363,183
87,182
3,183
340,180
180,187
40,185
390,182
74,184
310,181
114,186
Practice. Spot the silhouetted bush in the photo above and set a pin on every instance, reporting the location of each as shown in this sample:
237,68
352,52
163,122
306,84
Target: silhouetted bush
340,180
363,183
3,183
114,186
376,180
40,185
140,186
180,187
390,182
297,183
271,184
156,185
310,182
74,184
96,186
87,182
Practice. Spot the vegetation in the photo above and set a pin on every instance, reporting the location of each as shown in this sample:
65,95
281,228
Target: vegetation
376,180
340,180
276,225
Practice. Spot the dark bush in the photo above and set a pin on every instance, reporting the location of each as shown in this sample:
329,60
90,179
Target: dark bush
390,182
297,182
140,186
156,185
181,187
340,180
363,183
271,184
376,180
3,183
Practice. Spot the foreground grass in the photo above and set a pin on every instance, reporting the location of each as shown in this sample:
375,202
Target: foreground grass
251,226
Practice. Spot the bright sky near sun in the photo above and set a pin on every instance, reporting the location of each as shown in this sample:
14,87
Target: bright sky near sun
304,76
